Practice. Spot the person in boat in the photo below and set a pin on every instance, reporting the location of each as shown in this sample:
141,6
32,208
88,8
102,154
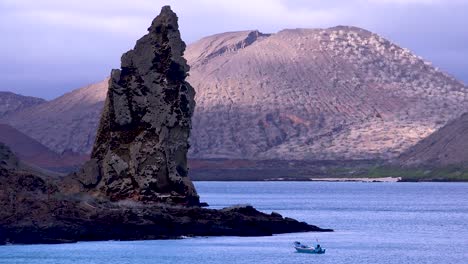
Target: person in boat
318,248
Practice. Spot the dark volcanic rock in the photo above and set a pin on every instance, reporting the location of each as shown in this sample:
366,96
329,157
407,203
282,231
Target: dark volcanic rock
136,183
141,146
34,210
7,159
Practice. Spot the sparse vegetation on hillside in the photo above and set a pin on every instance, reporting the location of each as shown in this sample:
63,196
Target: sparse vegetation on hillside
247,170
448,173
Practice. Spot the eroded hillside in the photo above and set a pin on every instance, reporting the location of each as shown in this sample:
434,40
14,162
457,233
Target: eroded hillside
315,94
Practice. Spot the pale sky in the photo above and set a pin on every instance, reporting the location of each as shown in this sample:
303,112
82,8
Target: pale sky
49,47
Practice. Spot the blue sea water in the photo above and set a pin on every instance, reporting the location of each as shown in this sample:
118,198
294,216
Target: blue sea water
374,223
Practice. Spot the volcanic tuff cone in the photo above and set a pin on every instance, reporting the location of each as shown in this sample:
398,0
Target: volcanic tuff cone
141,145
329,94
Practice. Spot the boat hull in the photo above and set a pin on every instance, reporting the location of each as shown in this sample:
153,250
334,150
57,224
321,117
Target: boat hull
309,250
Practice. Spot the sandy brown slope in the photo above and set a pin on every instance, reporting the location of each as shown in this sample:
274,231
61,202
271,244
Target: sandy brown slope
447,146
335,93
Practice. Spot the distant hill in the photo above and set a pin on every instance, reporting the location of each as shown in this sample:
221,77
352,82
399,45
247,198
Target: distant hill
337,93
66,124
33,152
26,148
12,103
447,146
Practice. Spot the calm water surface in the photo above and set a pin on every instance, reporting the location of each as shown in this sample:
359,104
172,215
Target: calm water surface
374,223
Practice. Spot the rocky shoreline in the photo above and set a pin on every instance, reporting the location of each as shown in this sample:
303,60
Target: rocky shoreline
360,179
35,210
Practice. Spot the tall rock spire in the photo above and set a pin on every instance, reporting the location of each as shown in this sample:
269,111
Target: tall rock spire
140,151
140,154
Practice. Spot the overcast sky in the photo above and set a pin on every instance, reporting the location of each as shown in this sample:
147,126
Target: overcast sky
49,47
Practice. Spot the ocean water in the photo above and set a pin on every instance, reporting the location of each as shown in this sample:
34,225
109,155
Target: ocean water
374,223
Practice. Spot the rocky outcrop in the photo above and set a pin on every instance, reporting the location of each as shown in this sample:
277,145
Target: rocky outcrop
141,146
35,210
301,94
136,184
8,160
447,146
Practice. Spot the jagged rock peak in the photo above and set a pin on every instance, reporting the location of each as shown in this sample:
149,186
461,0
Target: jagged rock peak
140,152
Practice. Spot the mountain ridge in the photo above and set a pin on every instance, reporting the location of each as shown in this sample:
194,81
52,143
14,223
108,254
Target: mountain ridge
33,152
11,102
67,121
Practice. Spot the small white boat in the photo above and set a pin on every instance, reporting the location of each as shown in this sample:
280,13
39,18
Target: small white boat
301,248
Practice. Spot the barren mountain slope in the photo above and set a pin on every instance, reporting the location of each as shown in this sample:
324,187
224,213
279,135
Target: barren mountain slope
308,93
331,93
67,123
447,146
11,103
